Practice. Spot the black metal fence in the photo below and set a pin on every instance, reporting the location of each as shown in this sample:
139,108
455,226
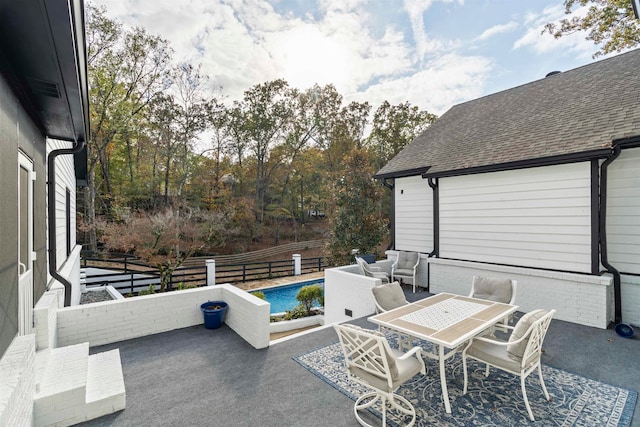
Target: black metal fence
130,276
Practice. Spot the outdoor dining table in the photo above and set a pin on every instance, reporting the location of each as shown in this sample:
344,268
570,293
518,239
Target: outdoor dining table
447,321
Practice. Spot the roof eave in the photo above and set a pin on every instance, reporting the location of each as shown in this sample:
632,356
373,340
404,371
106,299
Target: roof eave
523,164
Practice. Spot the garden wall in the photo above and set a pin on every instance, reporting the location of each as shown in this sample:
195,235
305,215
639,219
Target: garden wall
113,321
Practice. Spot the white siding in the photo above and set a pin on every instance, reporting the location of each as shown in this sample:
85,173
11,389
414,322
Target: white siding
65,179
414,214
536,217
623,212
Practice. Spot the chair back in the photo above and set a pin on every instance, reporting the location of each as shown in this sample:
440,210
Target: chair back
388,296
525,342
368,356
494,289
364,267
407,260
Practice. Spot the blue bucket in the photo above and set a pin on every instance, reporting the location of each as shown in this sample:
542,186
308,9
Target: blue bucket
214,313
625,331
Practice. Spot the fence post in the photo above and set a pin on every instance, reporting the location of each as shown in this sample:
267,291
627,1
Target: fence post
297,268
211,272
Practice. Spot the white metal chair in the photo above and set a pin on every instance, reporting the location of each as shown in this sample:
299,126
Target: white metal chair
371,361
406,267
387,297
372,271
520,355
494,289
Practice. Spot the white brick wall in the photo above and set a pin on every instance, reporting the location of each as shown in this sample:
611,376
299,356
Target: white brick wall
45,319
578,298
346,289
114,321
17,382
630,300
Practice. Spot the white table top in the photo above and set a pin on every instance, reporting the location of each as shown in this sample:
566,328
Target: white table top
445,319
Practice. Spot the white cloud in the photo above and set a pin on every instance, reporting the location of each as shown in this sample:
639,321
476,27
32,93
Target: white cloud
497,29
444,82
546,43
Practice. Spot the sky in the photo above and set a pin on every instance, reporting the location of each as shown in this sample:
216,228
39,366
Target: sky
431,53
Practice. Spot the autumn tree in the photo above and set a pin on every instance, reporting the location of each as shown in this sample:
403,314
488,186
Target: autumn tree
165,239
611,24
127,70
394,127
355,221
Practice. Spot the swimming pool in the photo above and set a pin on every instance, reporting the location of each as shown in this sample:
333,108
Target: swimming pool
283,298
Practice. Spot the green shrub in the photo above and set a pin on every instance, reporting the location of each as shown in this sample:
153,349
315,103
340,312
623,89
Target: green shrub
308,295
151,290
297,312
259,294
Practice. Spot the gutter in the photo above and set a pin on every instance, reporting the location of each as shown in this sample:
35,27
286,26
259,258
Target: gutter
604,256
433,183
51,213
392,210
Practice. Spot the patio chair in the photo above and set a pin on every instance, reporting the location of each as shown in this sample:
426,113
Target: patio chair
406,267
495,289
372,271
372,362
387,297
520,355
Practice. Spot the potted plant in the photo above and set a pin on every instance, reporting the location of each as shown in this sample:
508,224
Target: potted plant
214,313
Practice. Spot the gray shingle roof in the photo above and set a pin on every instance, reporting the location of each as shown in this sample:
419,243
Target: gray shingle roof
576,111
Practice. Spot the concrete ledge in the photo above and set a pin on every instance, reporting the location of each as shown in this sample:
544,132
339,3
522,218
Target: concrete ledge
289,325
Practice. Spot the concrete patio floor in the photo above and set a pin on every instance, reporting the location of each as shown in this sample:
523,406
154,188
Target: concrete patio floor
200,377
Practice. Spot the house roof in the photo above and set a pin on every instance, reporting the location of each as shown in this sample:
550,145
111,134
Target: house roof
43,57
563,117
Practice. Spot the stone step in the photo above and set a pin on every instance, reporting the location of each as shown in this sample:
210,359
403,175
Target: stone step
73,386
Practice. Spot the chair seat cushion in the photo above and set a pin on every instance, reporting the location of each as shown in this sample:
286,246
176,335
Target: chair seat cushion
389,296
516,351
403,272
493,354
492,289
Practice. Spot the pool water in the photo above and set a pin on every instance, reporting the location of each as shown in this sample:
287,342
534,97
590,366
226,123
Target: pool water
283,298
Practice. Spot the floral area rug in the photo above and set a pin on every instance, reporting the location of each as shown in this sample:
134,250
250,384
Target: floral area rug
490,401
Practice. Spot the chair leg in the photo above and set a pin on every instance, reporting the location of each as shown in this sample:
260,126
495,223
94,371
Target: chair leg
394,401
544,387
464,373
526,400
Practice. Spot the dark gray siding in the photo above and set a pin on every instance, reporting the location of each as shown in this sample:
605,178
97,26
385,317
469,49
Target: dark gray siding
18,132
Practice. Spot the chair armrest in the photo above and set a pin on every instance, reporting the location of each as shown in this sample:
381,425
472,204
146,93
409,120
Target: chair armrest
374,268
415,350
498,342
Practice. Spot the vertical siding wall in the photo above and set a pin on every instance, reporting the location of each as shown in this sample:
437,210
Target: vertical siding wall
537,217
623,228
413,214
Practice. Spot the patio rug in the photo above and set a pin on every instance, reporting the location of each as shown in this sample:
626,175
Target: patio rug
490,401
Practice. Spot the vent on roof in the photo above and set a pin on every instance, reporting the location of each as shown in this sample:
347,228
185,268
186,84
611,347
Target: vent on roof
43,87
551,73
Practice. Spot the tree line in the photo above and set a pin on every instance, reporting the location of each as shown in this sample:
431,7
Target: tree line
162,137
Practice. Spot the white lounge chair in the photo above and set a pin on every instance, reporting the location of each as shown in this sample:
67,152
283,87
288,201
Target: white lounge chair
372,271
371,361
520,355
406,267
